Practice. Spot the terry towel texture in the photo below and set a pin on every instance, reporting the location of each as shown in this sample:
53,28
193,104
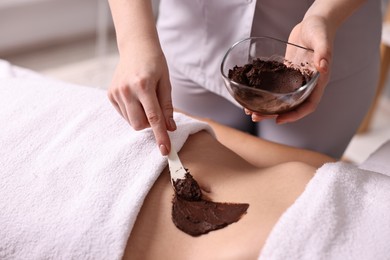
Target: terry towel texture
73,173
344,213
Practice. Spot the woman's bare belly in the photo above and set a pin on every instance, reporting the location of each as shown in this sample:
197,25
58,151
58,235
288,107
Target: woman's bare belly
226,178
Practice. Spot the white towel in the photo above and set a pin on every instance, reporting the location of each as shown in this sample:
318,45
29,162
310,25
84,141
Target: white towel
344,213
73,173
7,70
379,161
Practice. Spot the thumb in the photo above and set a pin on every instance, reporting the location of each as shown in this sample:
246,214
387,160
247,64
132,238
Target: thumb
322,55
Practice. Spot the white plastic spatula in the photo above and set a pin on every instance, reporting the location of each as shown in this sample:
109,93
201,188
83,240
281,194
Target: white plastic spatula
176,168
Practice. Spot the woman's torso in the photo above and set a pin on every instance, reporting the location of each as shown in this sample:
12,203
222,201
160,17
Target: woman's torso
269,191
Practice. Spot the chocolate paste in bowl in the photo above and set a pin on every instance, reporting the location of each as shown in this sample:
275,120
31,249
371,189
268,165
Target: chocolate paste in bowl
270,75
278,80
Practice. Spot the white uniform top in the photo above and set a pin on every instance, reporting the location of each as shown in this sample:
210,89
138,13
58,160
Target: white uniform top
195,34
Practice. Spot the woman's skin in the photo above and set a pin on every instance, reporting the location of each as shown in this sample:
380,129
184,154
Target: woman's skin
273,180
141,90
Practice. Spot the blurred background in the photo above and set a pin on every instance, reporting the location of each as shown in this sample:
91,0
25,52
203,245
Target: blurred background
74,41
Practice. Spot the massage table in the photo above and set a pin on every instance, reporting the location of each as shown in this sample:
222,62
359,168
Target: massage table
73,177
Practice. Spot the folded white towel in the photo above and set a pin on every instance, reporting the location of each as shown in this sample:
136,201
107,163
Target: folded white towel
7,70
379,161
344,213
73,173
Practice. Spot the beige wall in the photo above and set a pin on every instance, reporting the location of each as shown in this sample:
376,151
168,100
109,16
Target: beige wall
29,24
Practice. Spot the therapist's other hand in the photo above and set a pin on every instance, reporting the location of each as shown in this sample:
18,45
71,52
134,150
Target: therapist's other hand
141,92
316,33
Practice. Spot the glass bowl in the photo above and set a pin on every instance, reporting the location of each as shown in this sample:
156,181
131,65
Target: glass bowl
267,101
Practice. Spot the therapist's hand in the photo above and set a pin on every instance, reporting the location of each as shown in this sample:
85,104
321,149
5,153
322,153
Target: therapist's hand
315,33
141,92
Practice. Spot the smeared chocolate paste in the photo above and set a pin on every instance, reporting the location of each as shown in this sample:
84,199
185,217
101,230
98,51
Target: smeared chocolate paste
188,188
195,215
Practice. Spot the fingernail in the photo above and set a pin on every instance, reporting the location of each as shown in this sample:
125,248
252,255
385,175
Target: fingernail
172,124
163,150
